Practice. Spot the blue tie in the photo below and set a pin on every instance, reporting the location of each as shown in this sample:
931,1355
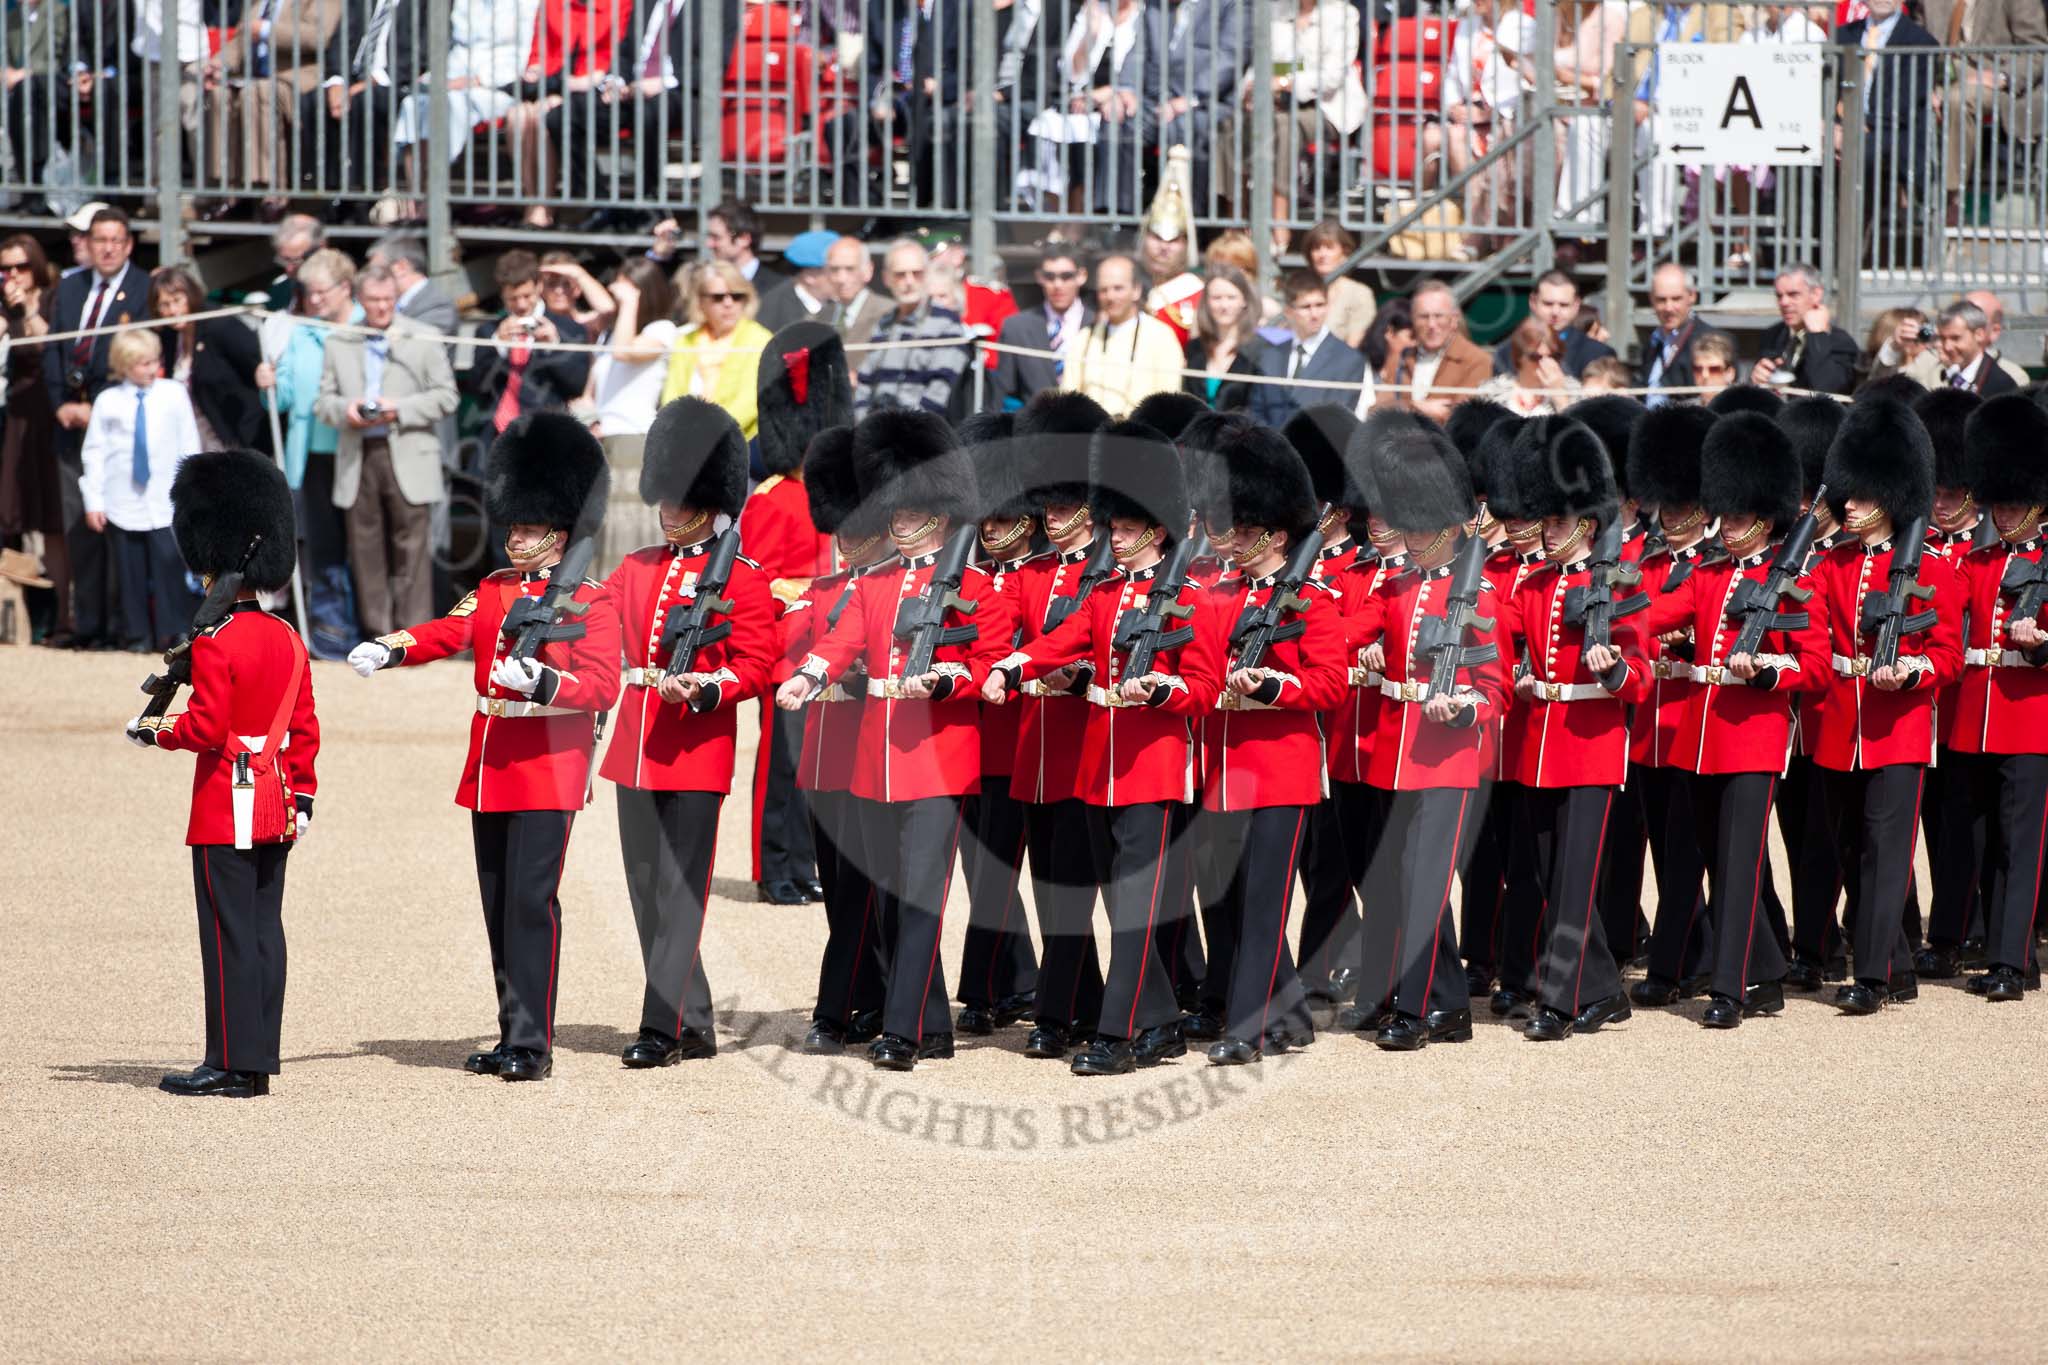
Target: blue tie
141,469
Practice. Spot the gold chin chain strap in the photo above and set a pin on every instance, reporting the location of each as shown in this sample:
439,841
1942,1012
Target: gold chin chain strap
1426,551
1869,519
675,536
1381,538
1969,503
1323,526
1140,543
930,524
858,550
1061,532
1008,538
1737,544
1699,514
1562,552
2029,523
1530,531
546,543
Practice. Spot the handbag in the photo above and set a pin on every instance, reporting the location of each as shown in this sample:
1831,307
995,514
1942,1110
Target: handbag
263,804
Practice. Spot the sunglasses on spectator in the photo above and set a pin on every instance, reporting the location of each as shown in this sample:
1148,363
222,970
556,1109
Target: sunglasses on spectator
14,267
718,298
1058,276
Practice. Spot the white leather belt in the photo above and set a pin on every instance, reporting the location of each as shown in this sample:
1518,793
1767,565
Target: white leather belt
1365,677
1858,667
1037,688
1995,658
254,743
1666,670
512,708
1560,692
1238,701
835,692
644,677
891,688
1108,696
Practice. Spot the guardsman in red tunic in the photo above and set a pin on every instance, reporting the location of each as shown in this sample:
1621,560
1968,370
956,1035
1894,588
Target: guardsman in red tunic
1877,730
1432,753
671,756
1139,754
1734,737
1051,436
849,1007
998,981
536,719
1331,865
2000,740
251,703
1664,472
1574,756
1956,850
1262,748
920,749
804,387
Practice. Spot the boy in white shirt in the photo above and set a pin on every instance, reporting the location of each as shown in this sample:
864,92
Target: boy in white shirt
139,431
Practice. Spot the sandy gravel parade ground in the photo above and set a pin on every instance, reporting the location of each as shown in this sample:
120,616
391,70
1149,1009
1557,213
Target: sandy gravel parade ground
1807,1187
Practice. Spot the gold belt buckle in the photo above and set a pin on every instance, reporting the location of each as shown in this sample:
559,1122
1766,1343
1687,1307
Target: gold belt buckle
1859,667
1714,675
494,707
1553,691
1411,691
1664,669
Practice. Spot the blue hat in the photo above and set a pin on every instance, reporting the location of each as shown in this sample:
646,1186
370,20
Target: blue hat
806,250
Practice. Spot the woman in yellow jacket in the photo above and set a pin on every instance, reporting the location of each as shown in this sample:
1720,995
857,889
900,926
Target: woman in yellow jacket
718,359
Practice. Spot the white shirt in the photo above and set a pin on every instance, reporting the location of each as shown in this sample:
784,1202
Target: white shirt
628,393
1968,372
1424,378
109,453
1301,350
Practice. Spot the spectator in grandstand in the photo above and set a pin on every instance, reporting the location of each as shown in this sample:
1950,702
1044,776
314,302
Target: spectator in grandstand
1713,366
899,373
1440,368
809,294
1392,331
1226,341
1188,62
1311,354
1102,37
1990,87
1581,65
1667,358
638,106
1658,187
269,61
1537,383
372,61
1555,303
718,355
572,52
1128,354
1805,349
567,287
1609,374
1055,325
419,298
914,61
326,282
856,308
215,359
41,79
1898,121
512,374
487,43
1328,245
1480,99
1318,98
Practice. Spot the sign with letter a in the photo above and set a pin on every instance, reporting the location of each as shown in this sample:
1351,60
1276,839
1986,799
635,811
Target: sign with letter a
1740,104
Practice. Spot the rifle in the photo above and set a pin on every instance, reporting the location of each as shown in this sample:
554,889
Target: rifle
534,621
922,620
1442,638
1756,603
2028,578
688,631
1099,569
1593,607
1889,615
1261,626
162,688
1142,634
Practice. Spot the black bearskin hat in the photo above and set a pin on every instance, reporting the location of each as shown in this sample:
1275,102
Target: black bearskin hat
830,486
1897,386
1258,480
1562,469
1471,420
998,472
1420,482
1057,412
1056,464
1749,468
804,386
223,500
1198,443
2005,446
1320,435
1396,427
1944,412
1664,455
1134,471
904,458
1746,398
1492,466
1168,412
1811,423
1612,417
1882,455
695,456
548,470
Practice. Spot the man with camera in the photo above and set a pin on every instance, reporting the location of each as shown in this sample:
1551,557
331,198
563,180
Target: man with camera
1806,350
385,394
514,373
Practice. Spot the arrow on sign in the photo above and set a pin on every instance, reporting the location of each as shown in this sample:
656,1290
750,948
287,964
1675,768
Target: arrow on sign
1802,150
1681,147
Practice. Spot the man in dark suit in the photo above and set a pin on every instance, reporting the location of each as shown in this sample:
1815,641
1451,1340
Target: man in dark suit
1055,325
1964,335
1666,361
1818,355
510,377
345,125
914,57
1555,303
1189,59
1897,94
112,293
1313,354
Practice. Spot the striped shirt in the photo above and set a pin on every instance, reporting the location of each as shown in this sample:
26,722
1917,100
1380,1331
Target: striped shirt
895,375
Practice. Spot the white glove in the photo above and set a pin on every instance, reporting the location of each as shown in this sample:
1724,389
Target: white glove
369,656
516,675
137,737
303,822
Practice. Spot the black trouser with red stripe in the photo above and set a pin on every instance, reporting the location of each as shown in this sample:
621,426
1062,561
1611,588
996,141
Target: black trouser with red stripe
1817,874
1570,828
1246,899
1428,836
668,839
850,974
1132,849
1682,936
1520,925
1483,884
1179,939
998,960
1329,923
1961,854
910,847
519,856
1369,823
1621,877
1876,818
784,835
241,952
1063,889
1732,823
2007,800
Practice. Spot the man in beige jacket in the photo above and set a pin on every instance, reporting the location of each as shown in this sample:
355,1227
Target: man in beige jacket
1127,355
385,395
